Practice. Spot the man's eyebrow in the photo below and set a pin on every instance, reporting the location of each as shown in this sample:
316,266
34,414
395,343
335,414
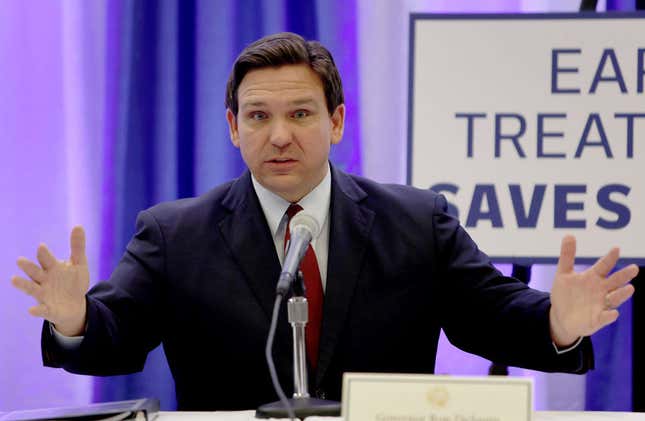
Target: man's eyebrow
253,104
262,103
302,101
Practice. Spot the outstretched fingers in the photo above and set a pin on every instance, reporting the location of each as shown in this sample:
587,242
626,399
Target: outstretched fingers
45,257
607,317
27,286
31,269
40,310
77,246
567,254
617,297
621,277
606,263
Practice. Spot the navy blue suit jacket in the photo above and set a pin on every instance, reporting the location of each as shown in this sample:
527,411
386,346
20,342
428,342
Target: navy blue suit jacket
199,277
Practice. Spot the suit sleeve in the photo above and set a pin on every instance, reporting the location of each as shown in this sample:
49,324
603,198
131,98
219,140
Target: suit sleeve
488,314
124,314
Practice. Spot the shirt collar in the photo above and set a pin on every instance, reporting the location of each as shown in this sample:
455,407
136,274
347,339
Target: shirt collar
315,203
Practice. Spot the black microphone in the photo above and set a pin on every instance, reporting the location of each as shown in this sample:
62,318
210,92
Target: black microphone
303,229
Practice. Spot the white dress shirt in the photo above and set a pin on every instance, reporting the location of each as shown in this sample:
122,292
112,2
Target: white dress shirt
315,203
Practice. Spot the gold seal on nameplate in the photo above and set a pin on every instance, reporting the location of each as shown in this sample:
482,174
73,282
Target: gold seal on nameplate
438,396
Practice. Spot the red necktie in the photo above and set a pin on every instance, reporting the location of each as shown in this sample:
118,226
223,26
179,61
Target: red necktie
314,293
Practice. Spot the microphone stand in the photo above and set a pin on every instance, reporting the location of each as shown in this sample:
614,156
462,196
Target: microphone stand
302,404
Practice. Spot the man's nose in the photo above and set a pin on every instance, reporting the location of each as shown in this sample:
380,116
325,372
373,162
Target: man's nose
281,134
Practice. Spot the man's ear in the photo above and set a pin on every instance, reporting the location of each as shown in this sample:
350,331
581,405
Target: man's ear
232,128
337,124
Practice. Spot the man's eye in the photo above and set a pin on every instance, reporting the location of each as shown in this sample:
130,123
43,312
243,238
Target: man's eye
300,114
258,115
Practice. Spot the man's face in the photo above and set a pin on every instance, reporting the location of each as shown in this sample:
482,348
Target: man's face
283,128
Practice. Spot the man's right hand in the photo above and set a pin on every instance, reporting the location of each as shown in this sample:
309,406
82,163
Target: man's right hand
58,286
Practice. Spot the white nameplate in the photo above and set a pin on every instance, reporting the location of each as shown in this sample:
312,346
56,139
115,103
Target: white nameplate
424,397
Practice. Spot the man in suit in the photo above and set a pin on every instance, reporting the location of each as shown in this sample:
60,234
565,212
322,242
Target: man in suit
390,266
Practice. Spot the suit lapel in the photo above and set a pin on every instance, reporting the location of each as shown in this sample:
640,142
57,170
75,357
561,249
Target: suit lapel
249,239
350,224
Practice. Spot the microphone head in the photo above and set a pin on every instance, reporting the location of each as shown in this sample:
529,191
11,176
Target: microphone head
304,221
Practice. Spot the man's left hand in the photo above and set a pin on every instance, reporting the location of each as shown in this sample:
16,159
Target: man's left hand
583,303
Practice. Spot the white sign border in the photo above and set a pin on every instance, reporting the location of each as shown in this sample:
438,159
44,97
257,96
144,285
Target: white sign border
417,17
394,378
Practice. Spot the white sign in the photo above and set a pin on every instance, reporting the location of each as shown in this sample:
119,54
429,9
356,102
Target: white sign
424,397
533,127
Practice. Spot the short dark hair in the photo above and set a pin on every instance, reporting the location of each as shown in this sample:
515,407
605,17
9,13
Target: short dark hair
286,48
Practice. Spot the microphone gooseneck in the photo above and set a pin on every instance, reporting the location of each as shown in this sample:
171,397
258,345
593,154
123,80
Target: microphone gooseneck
303,229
